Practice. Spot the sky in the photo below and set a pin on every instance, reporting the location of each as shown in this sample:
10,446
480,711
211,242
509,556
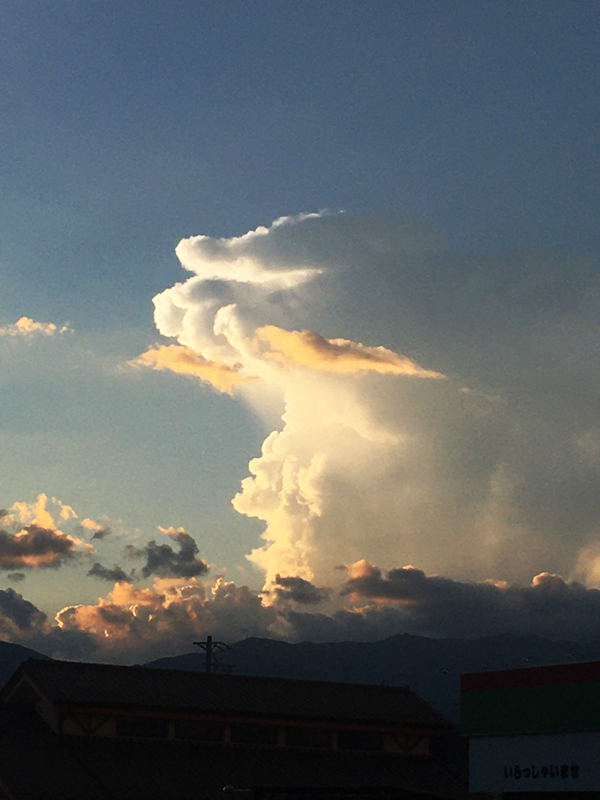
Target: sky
298,321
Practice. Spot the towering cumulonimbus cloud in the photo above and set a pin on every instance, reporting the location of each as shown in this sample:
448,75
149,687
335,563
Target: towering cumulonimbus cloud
437,408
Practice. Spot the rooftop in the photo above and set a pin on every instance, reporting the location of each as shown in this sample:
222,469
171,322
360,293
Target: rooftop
65,682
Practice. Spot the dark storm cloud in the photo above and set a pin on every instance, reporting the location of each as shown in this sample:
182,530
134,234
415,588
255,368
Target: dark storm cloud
299,590
16,612
431,605
114,575
35,547
15,577
162,560
64,643
101,534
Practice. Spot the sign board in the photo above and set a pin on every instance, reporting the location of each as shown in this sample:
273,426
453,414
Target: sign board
556,699
566,762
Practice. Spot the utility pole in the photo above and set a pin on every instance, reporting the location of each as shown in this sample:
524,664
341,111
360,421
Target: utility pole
210,648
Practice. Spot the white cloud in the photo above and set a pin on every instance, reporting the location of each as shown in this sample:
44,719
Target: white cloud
476,476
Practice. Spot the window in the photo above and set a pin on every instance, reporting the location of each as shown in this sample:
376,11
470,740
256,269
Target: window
201,730
143,727
254,733
308,737
349,739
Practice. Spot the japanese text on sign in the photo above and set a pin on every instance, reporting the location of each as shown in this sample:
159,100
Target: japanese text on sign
533,772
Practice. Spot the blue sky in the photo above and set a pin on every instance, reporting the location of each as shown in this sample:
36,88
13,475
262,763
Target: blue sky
128,127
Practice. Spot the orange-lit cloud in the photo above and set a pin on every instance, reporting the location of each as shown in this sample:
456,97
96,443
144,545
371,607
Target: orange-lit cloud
167,616
91,525
133,623
66,512
27,328
35,513
183,361
30,537
308,349
99,531
361,569
35,547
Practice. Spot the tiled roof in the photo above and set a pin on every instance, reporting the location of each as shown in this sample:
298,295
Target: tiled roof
110,685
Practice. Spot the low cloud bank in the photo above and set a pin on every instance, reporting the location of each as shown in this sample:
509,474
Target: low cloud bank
437,606
135,623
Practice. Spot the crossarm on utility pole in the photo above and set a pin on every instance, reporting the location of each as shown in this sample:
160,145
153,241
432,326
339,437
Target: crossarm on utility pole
209,648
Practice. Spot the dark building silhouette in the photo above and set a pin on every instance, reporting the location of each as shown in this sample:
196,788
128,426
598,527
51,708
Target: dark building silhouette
71,730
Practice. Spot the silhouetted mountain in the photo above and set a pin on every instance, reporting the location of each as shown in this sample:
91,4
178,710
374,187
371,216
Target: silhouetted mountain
431,667
11,655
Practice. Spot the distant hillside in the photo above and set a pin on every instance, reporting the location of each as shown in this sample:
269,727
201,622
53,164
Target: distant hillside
431,667
11,656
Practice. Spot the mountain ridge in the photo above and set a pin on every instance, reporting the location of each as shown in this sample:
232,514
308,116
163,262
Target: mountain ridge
430,667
